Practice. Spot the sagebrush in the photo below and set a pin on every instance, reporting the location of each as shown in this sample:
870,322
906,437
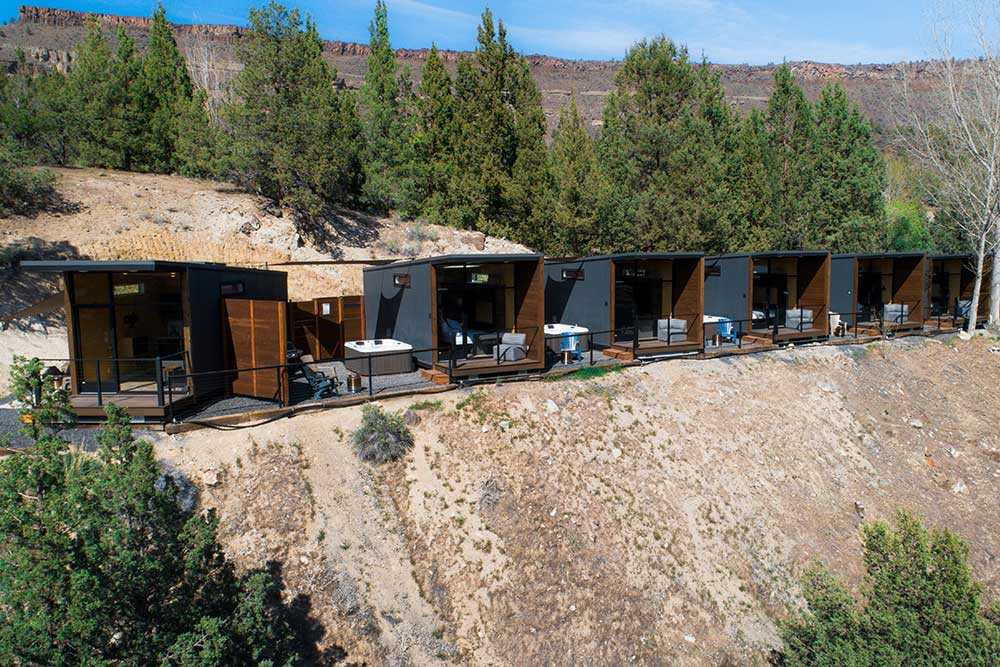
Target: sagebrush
382,436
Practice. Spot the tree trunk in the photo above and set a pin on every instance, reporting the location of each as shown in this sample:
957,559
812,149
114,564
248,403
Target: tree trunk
995,281
978,285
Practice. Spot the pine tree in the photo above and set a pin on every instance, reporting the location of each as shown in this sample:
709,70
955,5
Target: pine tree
435,137
791,130
662,148
87,84
124,137
577,180
165,89
386,121
501,182
293,136
850,177
749,177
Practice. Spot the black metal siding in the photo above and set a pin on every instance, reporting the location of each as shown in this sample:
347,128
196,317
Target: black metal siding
204,289
584,302
401,313
843,272
726,294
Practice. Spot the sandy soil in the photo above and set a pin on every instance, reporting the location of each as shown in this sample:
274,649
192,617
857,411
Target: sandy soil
118,215
655,516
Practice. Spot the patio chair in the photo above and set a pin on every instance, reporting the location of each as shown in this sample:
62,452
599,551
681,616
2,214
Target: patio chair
895,313
512,347
799,318
671,330
320,385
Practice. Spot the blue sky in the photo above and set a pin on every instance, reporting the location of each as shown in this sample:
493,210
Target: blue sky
726,31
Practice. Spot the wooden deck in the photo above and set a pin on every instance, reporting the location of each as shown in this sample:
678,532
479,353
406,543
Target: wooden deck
136,404
488,366
764,336
651,347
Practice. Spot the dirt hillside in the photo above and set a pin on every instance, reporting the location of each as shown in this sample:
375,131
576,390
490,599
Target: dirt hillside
655,516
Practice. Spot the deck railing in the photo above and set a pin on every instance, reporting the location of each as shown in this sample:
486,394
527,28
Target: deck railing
102,376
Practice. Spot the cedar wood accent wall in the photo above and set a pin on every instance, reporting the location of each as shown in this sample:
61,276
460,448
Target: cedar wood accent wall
256,333
529,306
323,336
908,284
814,289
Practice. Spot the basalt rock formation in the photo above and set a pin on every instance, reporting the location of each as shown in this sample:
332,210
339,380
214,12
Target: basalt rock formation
48,37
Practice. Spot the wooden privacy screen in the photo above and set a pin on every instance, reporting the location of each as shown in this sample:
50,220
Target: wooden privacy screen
814,289
256,335
320,327
908,276
689,295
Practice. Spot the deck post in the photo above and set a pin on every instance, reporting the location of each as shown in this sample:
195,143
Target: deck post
590,346
451,362
371,389
774,327
100,396
635,340
159,382
170,398
277,377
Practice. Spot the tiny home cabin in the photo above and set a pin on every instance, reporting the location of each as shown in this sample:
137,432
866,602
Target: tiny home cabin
875,290
133,324
772,296
633,303
951,280
469,315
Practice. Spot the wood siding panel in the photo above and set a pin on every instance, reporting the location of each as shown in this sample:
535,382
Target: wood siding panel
529,299
256,336
908,284
689,295
814,289
321,326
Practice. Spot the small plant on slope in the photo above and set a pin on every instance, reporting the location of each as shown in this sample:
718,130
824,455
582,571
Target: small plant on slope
382,436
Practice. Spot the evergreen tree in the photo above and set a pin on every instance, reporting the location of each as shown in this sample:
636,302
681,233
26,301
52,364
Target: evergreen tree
101,565
921,607
33,111
125,136
662,148
166,90
501,182
387,121
791,130
87,84
850,177
293,136
577,180
435,137
749,178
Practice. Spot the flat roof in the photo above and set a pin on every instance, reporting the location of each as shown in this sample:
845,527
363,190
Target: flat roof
634,256
127,266
481,258
953,255
877,255
772,253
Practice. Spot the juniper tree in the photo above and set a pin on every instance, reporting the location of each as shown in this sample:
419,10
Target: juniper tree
293,136
850,178
749,177
435,137
386,120
790,129
577,181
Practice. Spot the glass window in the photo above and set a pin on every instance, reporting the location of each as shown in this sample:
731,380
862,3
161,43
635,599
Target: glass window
90,288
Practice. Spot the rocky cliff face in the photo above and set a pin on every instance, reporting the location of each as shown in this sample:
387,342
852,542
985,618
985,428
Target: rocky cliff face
49,35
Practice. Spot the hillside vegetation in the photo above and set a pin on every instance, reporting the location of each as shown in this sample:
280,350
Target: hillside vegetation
660,515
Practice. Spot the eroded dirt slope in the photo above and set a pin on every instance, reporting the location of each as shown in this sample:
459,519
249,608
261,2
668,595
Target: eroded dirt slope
655,516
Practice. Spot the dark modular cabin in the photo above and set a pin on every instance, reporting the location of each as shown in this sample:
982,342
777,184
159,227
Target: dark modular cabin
645,303
468,314
879,289
778,296
951,280
131,324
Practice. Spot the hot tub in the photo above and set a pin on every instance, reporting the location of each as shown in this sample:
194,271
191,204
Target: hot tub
388,356
559,337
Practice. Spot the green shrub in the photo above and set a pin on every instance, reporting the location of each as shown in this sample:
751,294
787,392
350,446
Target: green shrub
920,607
382,436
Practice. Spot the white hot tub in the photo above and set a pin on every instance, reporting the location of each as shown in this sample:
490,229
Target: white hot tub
559,337
388,356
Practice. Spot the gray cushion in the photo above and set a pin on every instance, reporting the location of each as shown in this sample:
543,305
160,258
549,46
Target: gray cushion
672,330
894,313
799,316
964,307
514,339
